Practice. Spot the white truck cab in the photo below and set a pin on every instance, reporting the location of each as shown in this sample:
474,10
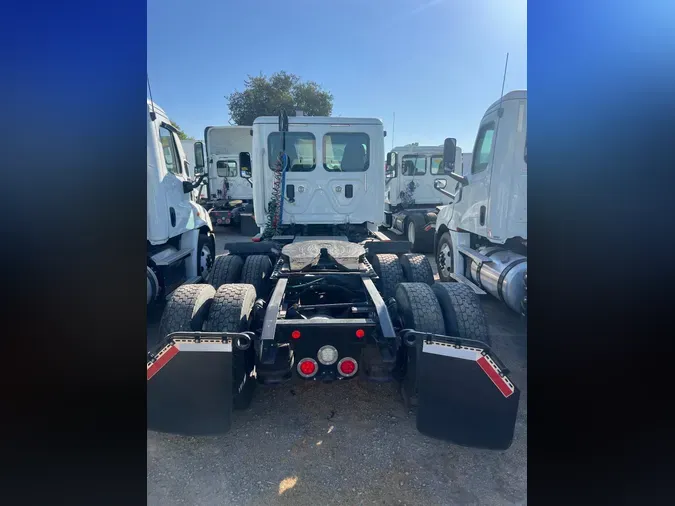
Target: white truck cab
180,243
410,196
334,171
223,146
481,237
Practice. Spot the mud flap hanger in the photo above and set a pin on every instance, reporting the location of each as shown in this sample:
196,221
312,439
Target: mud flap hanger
409,338
464,393
190,382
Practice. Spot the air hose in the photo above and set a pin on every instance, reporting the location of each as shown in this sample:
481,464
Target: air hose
275,205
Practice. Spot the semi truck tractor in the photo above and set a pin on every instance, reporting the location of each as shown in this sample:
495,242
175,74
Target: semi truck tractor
410,196
180,242
321,295
481,236
229,188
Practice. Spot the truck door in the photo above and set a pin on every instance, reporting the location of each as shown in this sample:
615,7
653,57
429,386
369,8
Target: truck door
473,203
240,188
178,202
226,171
412,179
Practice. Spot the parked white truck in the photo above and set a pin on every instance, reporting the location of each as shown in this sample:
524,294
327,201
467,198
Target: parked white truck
180,241
325,298
229,187
481,237
410,199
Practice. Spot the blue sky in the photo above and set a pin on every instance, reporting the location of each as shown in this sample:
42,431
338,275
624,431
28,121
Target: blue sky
437,63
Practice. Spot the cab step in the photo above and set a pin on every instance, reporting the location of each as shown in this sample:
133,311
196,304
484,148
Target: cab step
172,258
463,279
474,255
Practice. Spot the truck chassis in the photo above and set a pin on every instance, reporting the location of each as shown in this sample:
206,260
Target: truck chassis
327,309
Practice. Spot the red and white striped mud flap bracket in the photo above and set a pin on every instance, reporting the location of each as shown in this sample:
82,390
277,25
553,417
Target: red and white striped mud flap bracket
464,396
190,386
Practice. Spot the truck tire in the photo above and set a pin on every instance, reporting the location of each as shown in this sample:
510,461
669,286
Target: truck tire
417,269
206,253
444,258
421,240
388,268
226,269
256,272
186,309
462,312
231,311
418,309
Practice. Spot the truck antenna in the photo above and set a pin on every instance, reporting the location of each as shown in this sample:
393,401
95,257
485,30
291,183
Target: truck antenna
501,98
153,116
393,131
500,113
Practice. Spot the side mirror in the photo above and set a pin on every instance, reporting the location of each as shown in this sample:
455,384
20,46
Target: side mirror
391,159
449,148
199,158
245,165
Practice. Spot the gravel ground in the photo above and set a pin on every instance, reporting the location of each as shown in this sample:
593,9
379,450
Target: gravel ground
347,442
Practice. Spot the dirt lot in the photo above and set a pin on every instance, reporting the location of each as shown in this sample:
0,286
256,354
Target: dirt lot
353,442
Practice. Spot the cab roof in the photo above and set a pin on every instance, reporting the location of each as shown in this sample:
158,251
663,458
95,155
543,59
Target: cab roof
511,95
153,105
431,150
318,120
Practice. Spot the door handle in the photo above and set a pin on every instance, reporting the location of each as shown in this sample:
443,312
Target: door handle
172,215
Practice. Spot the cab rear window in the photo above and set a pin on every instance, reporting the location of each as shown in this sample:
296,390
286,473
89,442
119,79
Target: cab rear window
346,152
300,149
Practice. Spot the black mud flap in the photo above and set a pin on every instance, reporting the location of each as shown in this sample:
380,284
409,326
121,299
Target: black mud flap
190,387
464,396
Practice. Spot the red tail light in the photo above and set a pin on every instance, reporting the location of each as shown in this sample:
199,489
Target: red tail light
307,367
348,367
360,333
295,334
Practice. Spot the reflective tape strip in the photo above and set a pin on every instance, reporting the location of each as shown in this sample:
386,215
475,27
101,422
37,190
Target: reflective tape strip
162,358
204,346
450,350
488,365
493,372
171,350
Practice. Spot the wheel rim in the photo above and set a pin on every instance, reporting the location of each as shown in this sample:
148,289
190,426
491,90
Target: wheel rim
205,261
444,260
411,232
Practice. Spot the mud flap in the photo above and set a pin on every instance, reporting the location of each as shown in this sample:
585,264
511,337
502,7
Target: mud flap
189,388
464,397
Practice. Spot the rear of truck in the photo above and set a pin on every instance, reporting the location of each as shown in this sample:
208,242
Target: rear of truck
320,302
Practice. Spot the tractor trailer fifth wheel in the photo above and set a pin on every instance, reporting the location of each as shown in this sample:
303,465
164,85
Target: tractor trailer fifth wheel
330,310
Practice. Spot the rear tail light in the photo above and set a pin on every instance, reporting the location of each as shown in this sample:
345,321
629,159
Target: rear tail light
348,367
307,367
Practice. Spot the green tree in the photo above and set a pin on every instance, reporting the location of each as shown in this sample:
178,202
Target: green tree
182,135
266,96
